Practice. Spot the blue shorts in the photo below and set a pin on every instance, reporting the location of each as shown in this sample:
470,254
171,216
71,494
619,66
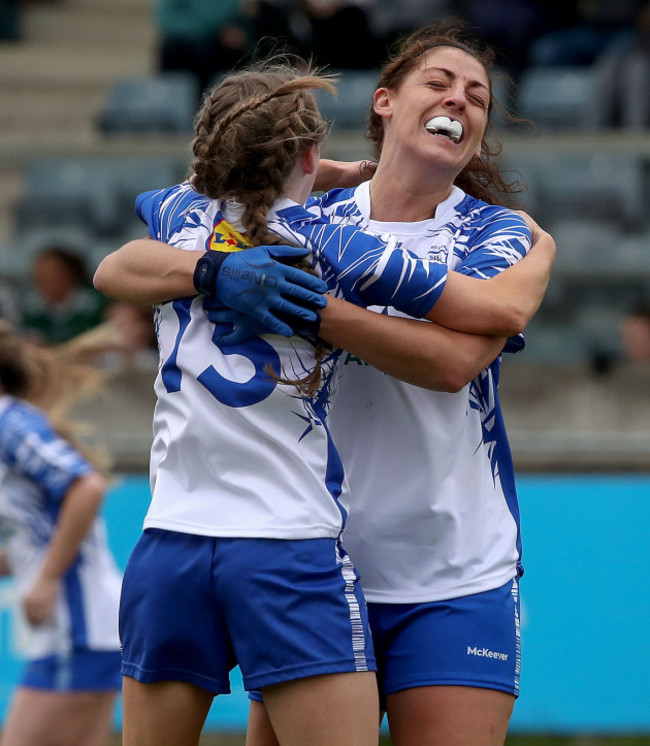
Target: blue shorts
468,641
195,606
77,671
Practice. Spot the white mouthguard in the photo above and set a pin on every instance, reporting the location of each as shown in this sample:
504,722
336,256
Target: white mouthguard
445,126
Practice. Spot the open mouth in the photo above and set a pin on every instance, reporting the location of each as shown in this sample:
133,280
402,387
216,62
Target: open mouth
445,127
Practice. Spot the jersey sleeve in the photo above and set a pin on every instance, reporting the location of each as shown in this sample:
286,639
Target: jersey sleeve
166,211
362,268
31,447
501,240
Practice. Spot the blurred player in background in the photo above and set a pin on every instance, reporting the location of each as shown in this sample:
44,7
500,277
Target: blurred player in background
54,544
260,465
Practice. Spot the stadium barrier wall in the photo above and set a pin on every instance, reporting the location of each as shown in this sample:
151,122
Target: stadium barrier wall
585,604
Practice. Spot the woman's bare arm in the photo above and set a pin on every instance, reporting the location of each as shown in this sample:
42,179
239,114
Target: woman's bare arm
5,568
146,271
342,174
418,352
78,511
150,272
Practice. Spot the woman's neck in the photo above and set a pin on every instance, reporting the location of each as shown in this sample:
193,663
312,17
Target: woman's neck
399,197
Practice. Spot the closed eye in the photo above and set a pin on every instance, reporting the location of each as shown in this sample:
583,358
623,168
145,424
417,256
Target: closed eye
479,100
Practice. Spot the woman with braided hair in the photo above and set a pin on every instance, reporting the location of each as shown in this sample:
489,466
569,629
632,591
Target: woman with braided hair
240,560
54,544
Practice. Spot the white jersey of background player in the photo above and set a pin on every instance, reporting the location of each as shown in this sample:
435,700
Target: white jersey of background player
440,519
37,467
54,544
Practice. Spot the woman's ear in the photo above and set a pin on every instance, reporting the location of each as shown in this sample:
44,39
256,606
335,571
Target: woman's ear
381,102
309,159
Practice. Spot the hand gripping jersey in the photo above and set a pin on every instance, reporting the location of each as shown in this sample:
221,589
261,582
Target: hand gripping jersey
234,452
433,503
37,467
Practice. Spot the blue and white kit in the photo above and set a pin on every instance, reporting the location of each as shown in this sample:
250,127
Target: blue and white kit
434,513
37,468
240,459
277,473
458,533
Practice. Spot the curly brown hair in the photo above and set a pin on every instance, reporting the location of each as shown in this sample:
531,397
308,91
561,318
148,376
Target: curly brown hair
249,133
482,177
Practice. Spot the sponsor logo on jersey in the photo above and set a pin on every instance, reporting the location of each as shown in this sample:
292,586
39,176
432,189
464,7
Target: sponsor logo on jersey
437,254
226,237
486,653
350,358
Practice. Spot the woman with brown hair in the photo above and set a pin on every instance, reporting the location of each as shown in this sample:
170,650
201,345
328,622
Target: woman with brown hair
434,522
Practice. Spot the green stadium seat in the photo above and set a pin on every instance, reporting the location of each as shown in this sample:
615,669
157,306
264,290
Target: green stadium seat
93,194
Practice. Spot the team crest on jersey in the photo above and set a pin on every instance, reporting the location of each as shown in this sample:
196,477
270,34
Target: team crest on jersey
226,237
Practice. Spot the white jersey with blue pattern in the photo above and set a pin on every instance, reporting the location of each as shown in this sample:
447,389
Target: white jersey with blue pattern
37,468
434,510
235,453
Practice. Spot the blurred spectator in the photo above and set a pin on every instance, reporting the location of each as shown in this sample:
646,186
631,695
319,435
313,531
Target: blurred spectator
8,303
622,91
511,26
62,302
271,26
596,25
203,37
392,20
9,20
635,335
337,34
631,347
137,347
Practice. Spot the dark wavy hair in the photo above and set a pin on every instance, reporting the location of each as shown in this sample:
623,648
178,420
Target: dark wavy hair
482,177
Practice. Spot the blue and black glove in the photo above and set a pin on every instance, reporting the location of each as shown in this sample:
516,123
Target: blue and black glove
243,327
253,282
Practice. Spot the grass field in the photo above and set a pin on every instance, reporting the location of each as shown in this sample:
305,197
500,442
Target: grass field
644,740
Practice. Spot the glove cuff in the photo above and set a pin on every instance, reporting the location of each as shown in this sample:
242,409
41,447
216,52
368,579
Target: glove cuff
206,271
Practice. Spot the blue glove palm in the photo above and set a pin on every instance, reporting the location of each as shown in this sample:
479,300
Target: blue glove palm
254,283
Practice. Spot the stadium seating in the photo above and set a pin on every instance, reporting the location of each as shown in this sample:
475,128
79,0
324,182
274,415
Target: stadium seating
160,103
349,111
95,194
555,98
599,186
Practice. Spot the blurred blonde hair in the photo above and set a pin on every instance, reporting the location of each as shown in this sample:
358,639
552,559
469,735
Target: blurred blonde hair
55,378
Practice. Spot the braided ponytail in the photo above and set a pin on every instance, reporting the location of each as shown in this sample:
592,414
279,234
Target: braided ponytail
251,130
